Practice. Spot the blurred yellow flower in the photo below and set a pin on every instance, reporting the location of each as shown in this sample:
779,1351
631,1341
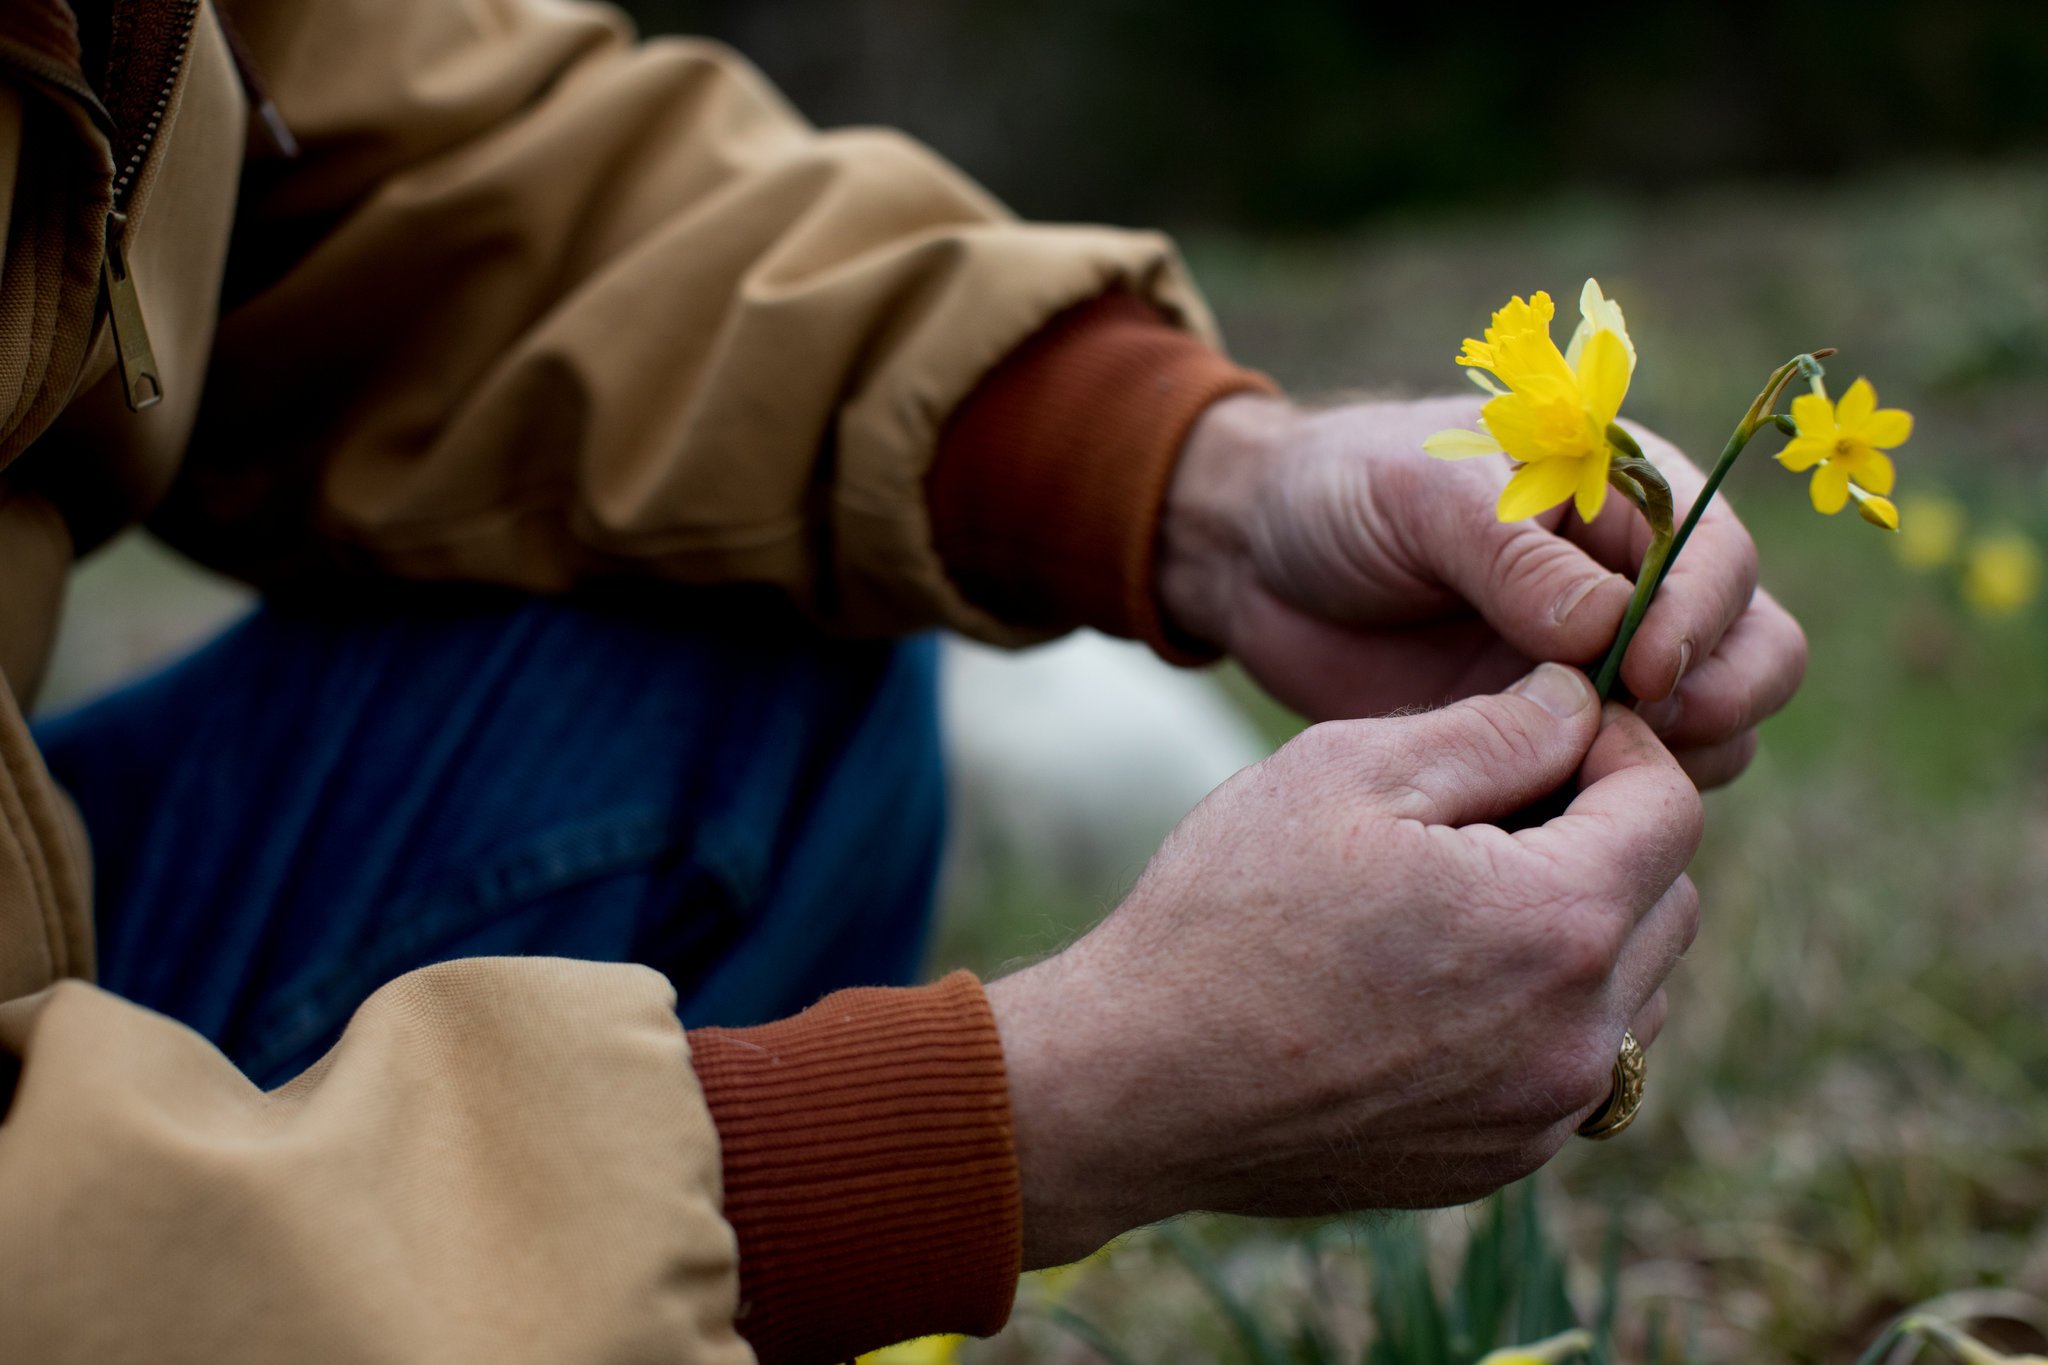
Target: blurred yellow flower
1550,409
1844,442
1550,1351
1930,531
2002,574
923,1351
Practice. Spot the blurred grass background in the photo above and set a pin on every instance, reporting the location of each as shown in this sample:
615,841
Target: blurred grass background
1849,1109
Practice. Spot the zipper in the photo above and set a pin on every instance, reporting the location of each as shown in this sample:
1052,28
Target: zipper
141,384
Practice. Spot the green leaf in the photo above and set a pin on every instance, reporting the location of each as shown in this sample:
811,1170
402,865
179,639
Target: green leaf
1653,1330
1404,1299
1480,1297
1882,1347
1610,1290
1258,1342
1088,1334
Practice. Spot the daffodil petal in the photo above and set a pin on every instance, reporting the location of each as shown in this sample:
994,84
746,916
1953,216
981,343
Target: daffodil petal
1576,347
1802,453
1456,443
1516,421
1815,417
1856,406
1485,381
1874,470
1603,376
1887,427
1591,494
1830,488
1537,488
1878,511
1597,312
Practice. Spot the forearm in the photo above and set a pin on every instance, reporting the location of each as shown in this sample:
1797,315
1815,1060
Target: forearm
539,305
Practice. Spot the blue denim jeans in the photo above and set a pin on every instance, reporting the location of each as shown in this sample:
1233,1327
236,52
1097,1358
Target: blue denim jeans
308,807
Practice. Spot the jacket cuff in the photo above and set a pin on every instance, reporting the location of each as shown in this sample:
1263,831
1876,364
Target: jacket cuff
870,1173
1047,487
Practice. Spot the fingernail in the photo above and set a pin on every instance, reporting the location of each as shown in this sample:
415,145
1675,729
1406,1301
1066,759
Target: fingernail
1559,690
1662,716
1684,662
1569,601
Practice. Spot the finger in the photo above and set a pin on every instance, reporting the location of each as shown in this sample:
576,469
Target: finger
1646,1025
1649,1020
1484,757
1716,765
1654,947
1758,666
1370,672
1636,821
1543,593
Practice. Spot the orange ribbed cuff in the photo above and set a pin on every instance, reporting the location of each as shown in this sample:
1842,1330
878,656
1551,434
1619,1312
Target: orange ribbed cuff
1049,480
869,1170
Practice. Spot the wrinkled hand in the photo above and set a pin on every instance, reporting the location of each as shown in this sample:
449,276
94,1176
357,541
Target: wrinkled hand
1352,575
1333,989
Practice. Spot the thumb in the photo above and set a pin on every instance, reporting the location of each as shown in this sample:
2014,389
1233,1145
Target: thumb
1545,595
1486,757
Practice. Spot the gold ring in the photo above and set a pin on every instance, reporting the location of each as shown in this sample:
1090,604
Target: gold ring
1618,1110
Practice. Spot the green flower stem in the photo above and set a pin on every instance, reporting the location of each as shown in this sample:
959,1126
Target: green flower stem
1652,573
1735,446
1664,550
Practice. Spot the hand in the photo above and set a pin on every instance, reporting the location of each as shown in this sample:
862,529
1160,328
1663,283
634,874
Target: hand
1352,575
1333,990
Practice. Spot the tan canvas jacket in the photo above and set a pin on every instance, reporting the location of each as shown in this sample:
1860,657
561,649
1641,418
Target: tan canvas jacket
532,305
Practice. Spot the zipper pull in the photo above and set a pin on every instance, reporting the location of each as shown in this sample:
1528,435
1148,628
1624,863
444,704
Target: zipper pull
139,379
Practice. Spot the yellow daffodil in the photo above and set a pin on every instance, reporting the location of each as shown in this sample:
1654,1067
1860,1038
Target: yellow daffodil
923,1351
1931,531
1550,409
1844,444
2003,574
1550,1351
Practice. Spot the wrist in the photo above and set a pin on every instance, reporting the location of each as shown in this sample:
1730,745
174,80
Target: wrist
1074,1195
1203,554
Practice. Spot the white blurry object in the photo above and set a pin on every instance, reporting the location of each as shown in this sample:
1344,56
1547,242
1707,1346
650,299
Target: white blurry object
1071,761
130,607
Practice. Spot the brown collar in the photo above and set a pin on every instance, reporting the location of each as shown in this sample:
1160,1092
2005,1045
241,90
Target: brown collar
46,29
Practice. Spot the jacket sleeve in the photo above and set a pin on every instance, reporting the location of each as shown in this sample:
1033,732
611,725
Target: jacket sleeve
501,1159
537,303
